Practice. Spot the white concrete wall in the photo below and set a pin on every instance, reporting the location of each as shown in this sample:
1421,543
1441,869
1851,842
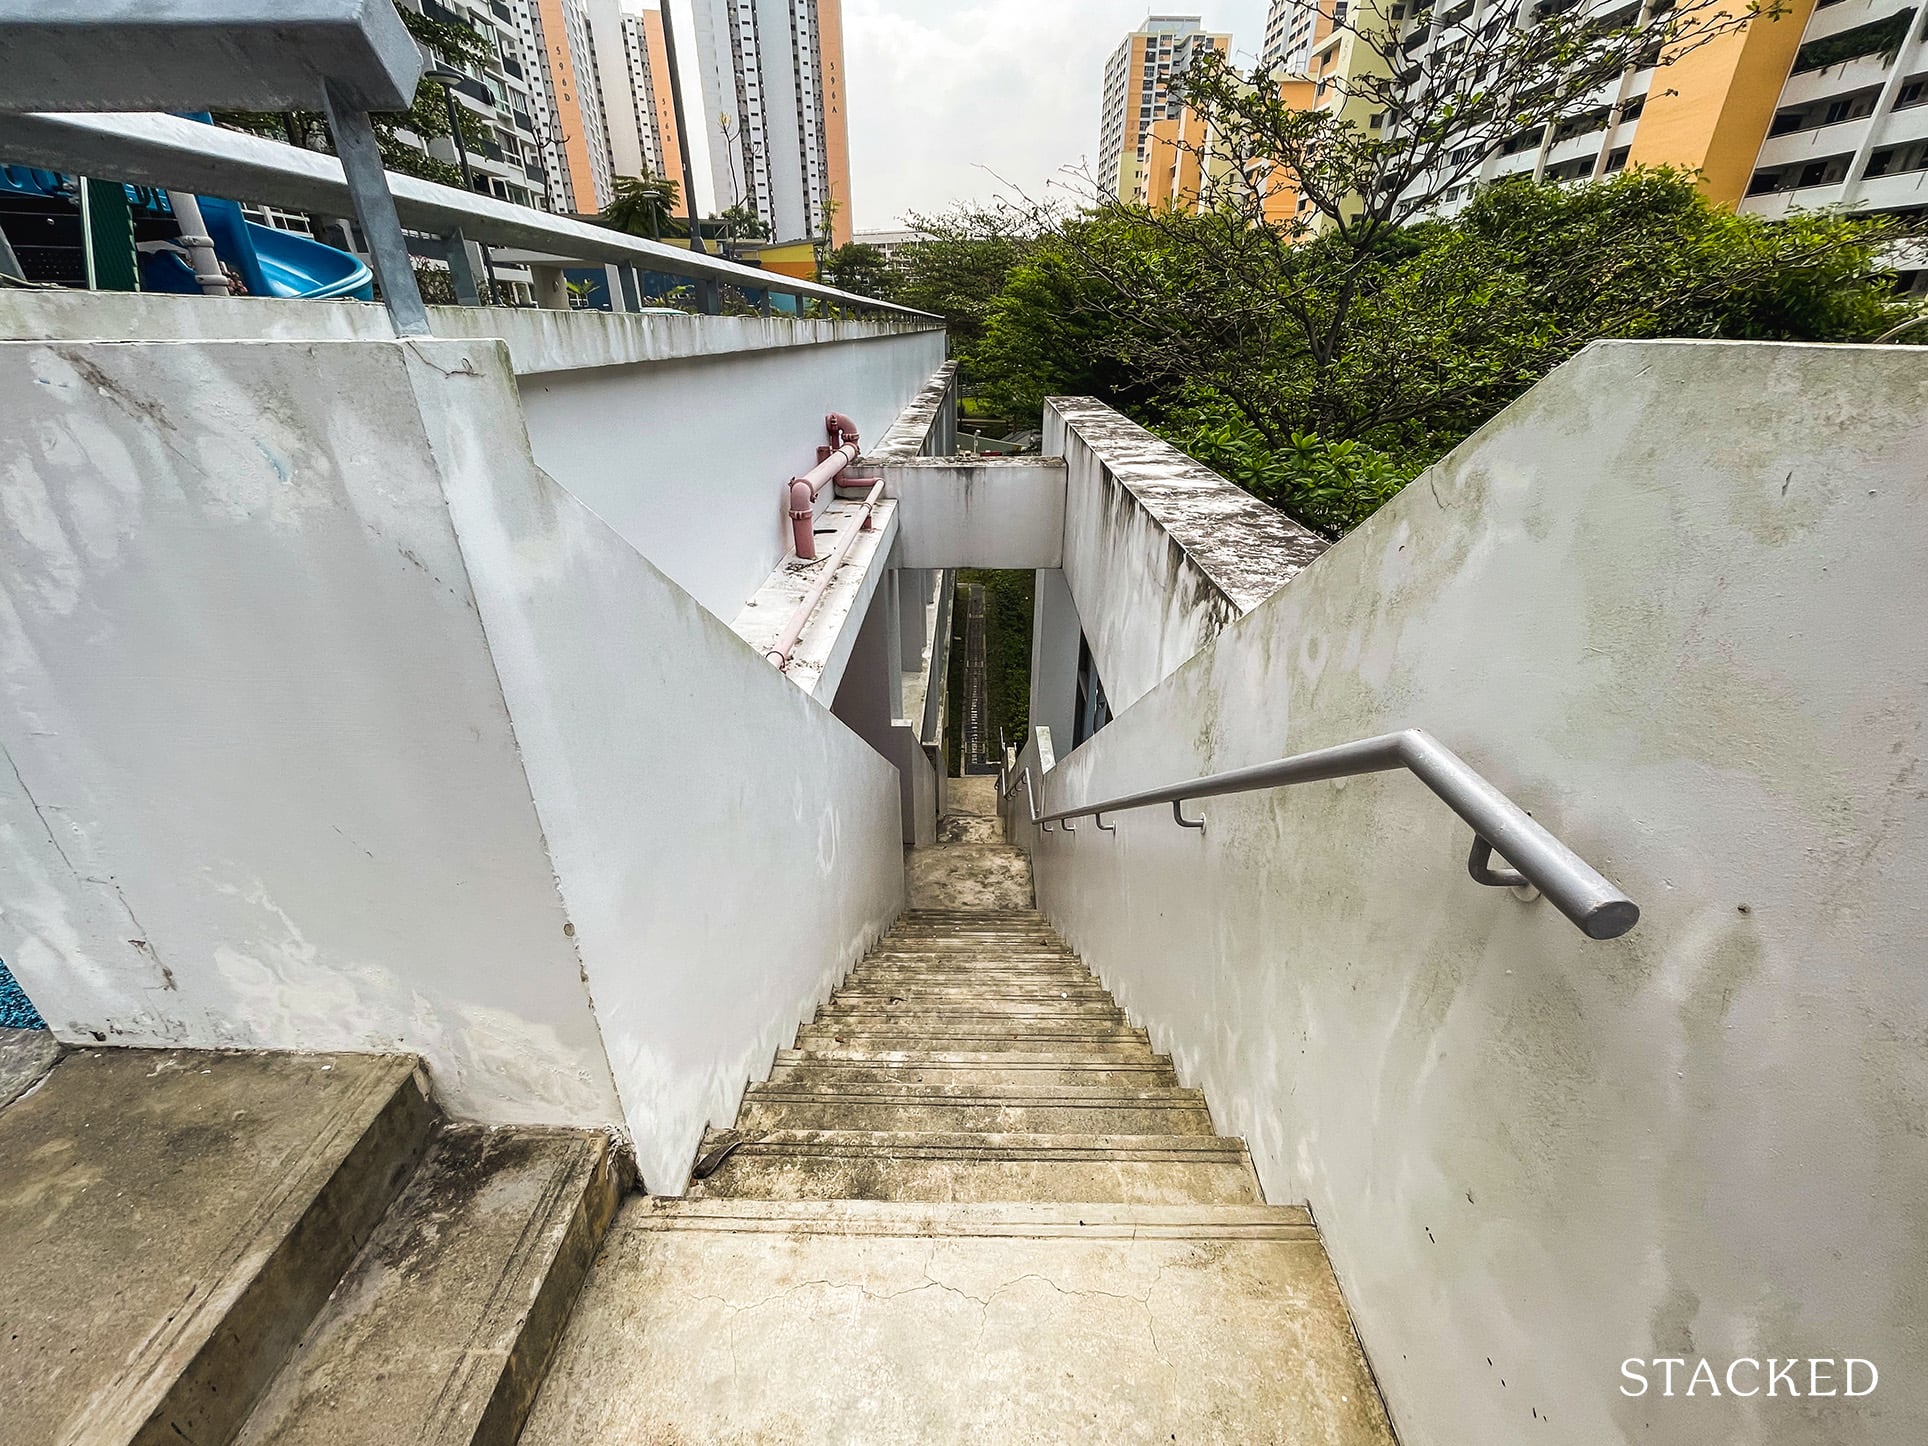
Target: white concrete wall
687,459
262,789
1159,551
1687,634
1056,630
726,848
679,431
331,723
979,512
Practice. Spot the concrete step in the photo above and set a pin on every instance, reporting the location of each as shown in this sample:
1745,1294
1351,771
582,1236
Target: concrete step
794,1066
443,1325
923,1165
960,1108
944,992
1069,1023
820,1322
862,1009
966,1035
25,1057
185,1214
1125,1052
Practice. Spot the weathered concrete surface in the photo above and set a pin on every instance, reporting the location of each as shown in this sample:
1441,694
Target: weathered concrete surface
966,869
926,427
725,847
176,1219
441,1329
1160,553
1671,602
944,1323
25,1057
1035,1236
824,648
539,341
980,511
260,785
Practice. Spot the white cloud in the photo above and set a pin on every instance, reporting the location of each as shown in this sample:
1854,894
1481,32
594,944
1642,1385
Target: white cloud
943,95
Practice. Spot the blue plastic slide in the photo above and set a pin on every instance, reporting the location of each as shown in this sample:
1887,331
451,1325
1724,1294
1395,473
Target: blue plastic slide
269,262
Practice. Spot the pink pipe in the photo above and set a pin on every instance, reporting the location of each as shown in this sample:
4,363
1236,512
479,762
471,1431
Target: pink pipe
805,490
779,652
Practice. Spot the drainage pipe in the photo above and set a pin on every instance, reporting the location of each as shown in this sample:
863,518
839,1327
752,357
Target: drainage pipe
779,651
804,490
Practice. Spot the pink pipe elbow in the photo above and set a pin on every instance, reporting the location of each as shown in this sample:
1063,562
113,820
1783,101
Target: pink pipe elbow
802,514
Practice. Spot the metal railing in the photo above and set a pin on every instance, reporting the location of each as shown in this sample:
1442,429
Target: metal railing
1499,825
168,151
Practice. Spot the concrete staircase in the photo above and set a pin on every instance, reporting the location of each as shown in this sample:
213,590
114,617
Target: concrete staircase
971,1204
279,1248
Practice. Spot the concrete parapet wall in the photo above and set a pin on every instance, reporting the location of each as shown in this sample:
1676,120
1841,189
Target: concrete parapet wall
332,723
1160,552
1686,634
678,431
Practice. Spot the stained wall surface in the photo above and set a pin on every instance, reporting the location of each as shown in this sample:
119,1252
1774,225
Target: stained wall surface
1686,634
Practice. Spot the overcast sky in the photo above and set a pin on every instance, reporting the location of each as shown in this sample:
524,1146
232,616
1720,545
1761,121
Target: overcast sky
941,90
944,92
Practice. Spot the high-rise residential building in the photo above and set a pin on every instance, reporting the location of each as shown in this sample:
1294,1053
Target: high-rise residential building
507,163
773,91
1137,78
1709,111
1850,126
1292,28
632,57
576,145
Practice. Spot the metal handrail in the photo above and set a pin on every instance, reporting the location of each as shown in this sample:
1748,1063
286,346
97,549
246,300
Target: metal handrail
170,152
1499,825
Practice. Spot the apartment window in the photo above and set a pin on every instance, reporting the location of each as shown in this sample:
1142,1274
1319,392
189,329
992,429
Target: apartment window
1912,92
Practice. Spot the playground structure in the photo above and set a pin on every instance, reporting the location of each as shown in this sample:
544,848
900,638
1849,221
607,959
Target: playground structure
102,233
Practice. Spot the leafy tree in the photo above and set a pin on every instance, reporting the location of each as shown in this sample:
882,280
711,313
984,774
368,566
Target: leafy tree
959,263
858,268
642,205
456,42
1051,330
736,224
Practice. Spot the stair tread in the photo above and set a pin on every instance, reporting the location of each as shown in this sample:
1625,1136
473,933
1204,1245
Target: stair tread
972,1324
981,1094
932,1144
1042,1219
182,1236
424,1337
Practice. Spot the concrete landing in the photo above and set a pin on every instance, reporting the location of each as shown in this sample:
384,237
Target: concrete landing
185,1214
970,867
761,1321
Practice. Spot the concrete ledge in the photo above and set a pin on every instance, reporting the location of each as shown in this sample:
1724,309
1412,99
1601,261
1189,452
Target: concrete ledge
538,341
1245,548
982,512
921,424
823,651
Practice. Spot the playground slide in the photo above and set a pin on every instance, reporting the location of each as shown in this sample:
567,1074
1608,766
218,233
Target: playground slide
280,263
269,262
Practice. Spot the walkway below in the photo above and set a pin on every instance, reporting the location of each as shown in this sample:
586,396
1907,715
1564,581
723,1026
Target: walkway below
971,1204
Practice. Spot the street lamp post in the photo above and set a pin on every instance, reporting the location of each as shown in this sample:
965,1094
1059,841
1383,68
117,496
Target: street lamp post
448,78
